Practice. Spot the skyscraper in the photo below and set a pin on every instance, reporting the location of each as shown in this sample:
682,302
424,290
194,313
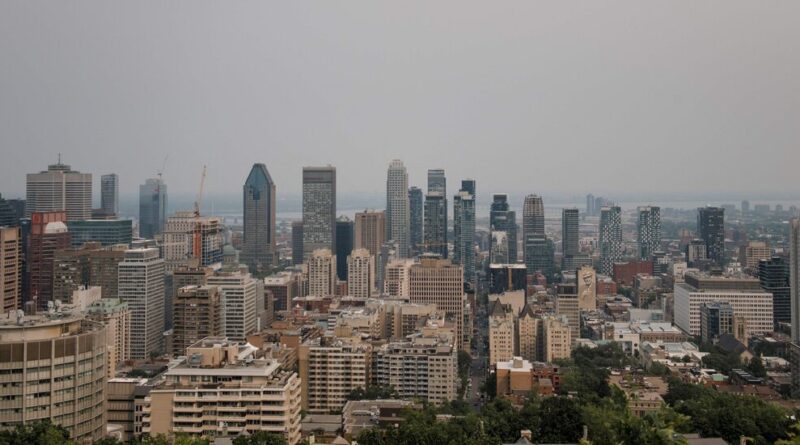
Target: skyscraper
711,229
344,245
370,231
415,212
590,204
773,275
464,230
610,239
536,251
572,257
569,232
397,207
60,188
533,216
141,285
258,241
648,231
239,295
435,228
319,209
502,219
297,242
437,181
152,208
48,233
109,194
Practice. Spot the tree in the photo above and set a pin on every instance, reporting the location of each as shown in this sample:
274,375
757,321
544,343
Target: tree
373,392
40,432
489,386
561,420
756,367
260,438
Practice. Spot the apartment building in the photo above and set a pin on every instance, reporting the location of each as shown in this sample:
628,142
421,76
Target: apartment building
222,389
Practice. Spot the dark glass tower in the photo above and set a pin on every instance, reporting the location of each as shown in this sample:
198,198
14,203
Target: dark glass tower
344,245
773,275
464,230
648,231
258,242
152,208
711,229
502,219
415,212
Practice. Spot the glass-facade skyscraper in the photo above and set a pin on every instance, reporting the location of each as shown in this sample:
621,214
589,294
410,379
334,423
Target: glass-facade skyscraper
464,230
258,240
109,194
416,216
503,219
152,207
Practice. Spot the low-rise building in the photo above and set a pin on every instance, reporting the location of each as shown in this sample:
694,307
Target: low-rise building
330,368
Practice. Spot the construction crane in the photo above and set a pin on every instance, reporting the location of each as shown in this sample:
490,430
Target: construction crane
160,173
199,199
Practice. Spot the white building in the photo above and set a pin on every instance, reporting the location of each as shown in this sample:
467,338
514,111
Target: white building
239,293
141,285
360,273
60,188
321,273
743,294
397,207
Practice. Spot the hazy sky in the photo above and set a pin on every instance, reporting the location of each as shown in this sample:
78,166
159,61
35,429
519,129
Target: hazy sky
608,97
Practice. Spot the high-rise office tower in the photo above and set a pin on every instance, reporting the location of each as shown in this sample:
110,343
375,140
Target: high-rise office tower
437,181
344,245
745,207
370,231
711,229
610,239
239,295
258,240
397,208
10,272
319,209
468,185
435,228
415,212
141,285
533,216
590,204
536,251
48,233
773,274
297,242
502,219
464,230
360,273
88,265
152,208
60,188
321,273
109,194
570,238
648,231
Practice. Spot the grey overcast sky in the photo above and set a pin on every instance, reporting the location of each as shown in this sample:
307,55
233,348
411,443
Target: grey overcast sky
601,96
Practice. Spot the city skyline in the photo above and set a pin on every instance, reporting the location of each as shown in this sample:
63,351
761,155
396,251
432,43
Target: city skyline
661,92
